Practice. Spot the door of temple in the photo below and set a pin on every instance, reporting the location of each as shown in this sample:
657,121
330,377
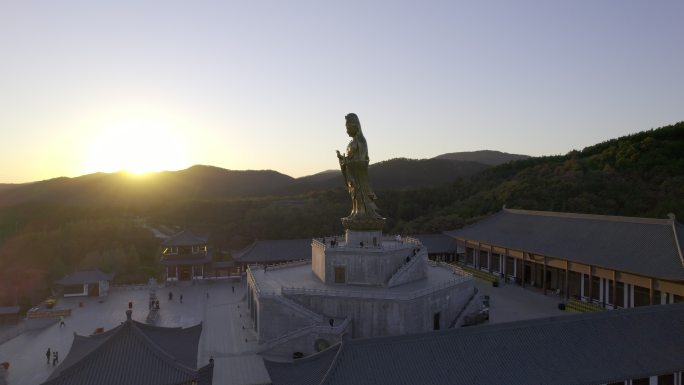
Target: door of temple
340,274
185,273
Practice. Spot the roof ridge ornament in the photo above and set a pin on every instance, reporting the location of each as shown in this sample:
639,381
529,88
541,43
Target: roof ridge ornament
673,223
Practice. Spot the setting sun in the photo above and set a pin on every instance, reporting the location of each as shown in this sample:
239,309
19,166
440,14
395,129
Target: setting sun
136,146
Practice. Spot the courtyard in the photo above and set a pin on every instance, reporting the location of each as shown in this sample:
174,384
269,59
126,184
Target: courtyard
226,334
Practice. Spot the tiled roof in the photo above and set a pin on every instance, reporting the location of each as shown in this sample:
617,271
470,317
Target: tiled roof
7,310
134,353
185,238
81,277
303,371
268,251
637,245
187,259
222,264
590,348
437,243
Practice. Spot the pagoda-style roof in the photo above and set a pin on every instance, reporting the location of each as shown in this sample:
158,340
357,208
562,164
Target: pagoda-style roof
590,348
186,258
437,243
185,238
273,251
134,353
9,310
83,277
644,246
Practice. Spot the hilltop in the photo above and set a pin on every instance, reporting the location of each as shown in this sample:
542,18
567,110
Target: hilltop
201,182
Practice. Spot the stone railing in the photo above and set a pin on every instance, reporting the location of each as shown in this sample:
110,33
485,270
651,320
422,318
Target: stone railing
454,268
250,278
285,338
287,264
371,294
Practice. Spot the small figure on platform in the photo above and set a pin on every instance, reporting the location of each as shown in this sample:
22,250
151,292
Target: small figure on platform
170,296
55,358
48,354
233,287
61,321
181,298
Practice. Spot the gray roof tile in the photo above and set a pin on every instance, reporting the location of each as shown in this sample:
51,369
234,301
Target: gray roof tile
81,277
637,245
185,238
270,251
303,371
580,349
437,243
133,353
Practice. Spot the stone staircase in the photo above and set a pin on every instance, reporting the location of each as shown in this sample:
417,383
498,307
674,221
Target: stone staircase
407,272
299,309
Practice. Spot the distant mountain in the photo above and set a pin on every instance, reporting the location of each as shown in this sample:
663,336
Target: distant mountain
8,186
488,157
197,182
639,175
394,174
210,183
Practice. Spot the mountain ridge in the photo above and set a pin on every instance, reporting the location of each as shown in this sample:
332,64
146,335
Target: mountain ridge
212,182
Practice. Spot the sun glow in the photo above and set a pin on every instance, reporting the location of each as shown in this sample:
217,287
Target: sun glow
138,147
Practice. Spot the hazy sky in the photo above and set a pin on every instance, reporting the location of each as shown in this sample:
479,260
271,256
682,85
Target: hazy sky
104,85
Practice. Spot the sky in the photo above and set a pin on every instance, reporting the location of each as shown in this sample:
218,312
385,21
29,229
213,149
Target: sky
88,86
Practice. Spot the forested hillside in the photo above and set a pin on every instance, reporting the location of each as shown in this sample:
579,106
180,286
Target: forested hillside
636,175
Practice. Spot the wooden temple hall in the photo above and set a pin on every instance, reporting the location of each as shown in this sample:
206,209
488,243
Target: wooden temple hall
615,262
185,256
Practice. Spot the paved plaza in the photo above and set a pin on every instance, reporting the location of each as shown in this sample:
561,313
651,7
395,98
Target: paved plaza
223,314
223,336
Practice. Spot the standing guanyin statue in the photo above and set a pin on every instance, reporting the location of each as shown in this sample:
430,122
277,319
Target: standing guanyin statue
354,165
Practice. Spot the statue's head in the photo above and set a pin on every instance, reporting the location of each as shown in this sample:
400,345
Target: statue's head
353,124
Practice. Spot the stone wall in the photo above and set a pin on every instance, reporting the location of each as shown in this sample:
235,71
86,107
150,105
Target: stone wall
274,318
365,266
373,317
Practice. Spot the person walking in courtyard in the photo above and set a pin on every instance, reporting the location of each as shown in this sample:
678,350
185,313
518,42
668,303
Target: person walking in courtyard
170,296
233,289
48,354
181,298
55,358
61,321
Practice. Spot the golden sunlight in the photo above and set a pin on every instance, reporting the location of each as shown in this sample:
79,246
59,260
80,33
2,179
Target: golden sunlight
136,146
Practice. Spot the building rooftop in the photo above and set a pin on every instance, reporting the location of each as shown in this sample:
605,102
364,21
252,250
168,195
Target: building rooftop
9,310
272,251
186,258
590,348
185,238
82,277
437,243
134,353
645,246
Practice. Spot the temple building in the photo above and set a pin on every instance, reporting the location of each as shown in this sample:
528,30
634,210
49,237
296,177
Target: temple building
359,284
134,353
642,346
612,261
272,252
92,283
186,256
